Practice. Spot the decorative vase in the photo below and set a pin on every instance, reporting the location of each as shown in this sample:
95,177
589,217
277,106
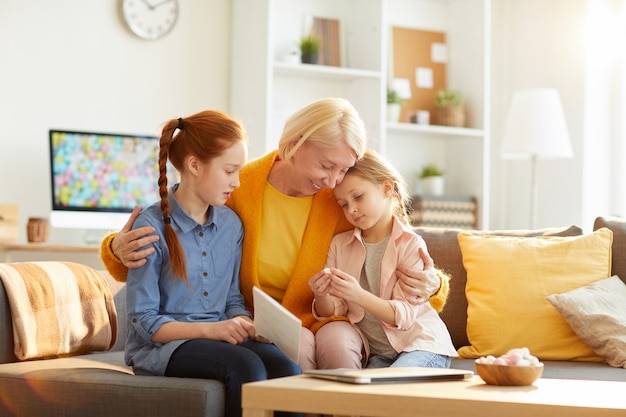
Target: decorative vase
393,112
37,230
310,58
450,115
432,185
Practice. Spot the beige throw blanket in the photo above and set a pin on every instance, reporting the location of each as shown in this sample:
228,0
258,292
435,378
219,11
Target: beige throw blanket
58,309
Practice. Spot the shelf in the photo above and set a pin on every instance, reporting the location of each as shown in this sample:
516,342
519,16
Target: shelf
435,129
325,72
47,247
41,252
264,99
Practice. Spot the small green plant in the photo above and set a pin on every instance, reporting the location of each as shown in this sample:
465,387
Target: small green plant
431,171
393,97
448,98
310,44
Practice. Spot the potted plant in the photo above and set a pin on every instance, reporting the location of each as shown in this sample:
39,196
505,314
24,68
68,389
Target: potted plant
309,48
394,105
449,108
432,180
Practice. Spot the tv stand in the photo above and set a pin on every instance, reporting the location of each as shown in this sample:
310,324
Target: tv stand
24,252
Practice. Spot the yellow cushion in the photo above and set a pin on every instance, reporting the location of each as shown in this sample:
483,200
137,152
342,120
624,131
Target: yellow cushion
508,280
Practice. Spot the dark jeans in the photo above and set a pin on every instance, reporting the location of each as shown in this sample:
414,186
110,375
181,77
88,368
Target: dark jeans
233,365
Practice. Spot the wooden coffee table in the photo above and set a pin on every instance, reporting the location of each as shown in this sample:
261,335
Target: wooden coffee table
469,398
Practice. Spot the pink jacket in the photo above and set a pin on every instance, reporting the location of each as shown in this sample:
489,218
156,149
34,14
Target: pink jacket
419,326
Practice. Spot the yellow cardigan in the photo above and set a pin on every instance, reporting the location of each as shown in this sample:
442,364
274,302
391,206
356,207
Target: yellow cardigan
325,220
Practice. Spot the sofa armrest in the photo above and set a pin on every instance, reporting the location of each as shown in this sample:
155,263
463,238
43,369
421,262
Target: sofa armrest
7,353
618,227
118,289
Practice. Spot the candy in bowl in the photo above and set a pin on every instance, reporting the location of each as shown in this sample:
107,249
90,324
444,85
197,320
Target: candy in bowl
516,367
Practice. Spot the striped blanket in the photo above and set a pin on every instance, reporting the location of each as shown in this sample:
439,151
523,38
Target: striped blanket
58,309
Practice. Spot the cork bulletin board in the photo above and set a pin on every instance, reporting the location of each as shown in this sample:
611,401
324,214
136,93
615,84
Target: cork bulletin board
412,50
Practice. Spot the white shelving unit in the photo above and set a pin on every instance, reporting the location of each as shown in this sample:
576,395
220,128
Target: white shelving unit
322,72
265,89
442,131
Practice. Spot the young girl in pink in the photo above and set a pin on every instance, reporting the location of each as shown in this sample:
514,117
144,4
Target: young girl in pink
360,281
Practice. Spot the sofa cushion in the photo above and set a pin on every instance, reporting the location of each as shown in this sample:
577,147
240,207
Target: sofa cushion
618,227
597,314
508,280
443,246
101,385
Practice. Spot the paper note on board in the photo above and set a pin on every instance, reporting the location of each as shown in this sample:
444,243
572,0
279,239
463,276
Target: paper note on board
424,77
402,86
439,53
276,323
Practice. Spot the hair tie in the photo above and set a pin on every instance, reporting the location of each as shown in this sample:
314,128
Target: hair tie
167,220
181,123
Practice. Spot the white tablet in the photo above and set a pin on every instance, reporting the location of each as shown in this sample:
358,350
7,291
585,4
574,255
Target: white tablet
276,323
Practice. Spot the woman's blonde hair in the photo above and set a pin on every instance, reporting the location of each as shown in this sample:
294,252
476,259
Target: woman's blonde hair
205,135
377,169
325,123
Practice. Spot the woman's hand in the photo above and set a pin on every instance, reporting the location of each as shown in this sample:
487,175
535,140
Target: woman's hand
128,245
419,284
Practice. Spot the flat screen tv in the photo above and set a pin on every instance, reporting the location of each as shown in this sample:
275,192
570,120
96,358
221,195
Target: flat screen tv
97,178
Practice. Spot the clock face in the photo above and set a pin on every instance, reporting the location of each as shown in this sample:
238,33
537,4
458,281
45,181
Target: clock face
150,19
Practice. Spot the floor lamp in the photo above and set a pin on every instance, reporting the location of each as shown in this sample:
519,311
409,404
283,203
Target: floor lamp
535,129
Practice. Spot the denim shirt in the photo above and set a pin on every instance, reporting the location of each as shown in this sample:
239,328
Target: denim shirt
154,297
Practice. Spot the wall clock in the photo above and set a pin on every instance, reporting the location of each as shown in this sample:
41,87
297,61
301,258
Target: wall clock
150,19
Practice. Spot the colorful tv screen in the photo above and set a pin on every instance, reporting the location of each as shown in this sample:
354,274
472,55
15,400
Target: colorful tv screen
103,171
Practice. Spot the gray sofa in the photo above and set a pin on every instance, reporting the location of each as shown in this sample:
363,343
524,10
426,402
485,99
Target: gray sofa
99,384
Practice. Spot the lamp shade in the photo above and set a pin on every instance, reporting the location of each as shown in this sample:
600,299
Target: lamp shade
535,126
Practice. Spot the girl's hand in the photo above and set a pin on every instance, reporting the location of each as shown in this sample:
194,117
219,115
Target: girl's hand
320,283
262,339
235,330
345,286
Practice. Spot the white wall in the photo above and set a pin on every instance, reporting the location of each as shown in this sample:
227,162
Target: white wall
73,64
539,43
603,151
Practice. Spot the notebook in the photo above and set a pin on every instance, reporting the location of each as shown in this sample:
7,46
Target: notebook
390,375
276,323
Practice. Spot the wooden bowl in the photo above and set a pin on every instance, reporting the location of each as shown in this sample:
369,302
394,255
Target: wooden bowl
509,374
